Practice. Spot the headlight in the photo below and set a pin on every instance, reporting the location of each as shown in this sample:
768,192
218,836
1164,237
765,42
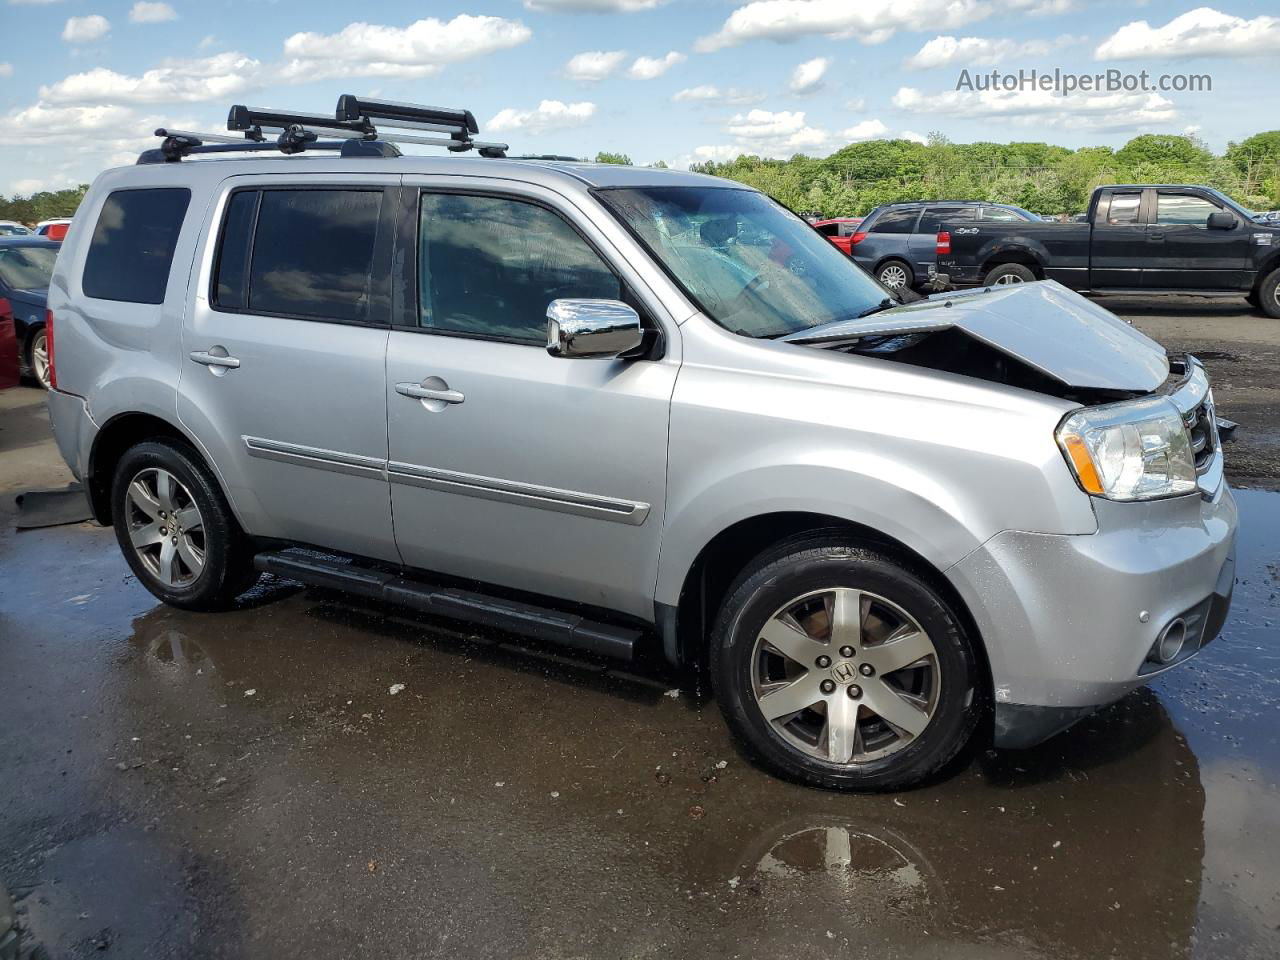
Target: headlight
1136,450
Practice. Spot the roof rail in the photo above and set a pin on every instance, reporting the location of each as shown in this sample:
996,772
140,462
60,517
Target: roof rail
350,131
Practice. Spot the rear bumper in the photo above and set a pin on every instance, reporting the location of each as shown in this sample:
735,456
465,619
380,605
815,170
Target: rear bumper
73,429
1069,621
961,276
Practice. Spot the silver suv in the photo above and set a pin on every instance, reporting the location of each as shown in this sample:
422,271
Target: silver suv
627,409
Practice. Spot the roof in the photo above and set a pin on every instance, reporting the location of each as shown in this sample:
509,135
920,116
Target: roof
565,176
30,240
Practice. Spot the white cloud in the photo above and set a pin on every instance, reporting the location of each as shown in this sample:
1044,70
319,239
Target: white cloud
721,152
912,135
866,130
807,78
549,115
24,188
708,93
207,41
422,48
972,51
101,125
780,132
145,11
6,69
1042,8
173,81
1203,32
591,6
871,21
594,65
647,68
1042,108
86,29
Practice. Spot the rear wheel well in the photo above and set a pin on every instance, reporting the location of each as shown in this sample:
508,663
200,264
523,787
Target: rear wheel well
117,436
1014,256
718,564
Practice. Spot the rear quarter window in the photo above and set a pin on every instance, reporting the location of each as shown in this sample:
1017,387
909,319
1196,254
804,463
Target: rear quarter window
896,221
133,242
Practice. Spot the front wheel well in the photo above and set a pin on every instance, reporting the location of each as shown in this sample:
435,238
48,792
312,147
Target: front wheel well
115,437
719,563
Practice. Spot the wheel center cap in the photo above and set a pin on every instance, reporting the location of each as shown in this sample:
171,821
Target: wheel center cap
844,672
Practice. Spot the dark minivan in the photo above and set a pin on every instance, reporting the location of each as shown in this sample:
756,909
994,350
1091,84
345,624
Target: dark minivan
897,242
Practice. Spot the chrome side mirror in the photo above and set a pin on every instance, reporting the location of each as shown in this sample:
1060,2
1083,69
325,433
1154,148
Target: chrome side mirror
592,328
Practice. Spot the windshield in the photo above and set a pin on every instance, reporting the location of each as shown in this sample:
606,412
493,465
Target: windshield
752,266
27,268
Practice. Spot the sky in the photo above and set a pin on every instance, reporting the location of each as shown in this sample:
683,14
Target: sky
83,83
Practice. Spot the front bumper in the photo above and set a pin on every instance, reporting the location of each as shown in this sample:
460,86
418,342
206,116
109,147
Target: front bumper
1068,621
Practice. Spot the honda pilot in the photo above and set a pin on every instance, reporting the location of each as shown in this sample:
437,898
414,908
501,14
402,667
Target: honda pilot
631,410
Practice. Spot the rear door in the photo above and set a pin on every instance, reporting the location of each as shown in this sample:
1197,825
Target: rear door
889,235
1118,242
283,365
533,472
1183,253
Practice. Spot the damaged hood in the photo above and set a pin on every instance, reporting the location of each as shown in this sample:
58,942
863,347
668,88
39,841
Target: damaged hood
1044,325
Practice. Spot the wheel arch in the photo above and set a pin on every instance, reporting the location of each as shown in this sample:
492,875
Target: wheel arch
1272,262
114,438
1024,257
686,626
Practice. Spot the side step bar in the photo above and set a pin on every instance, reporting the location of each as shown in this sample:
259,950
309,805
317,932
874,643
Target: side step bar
543,623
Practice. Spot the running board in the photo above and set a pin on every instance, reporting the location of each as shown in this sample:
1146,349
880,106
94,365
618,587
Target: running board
554,626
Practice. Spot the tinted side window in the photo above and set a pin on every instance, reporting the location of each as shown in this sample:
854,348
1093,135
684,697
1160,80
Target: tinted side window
1124,208
849,229
828,229
1000,214
1173,208
895,221
232,272
132,246
489,266
933,218
313,253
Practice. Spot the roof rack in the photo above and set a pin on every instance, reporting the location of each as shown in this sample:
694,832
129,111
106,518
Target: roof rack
350,131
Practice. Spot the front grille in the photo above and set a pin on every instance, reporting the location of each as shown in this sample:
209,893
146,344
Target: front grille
1202,426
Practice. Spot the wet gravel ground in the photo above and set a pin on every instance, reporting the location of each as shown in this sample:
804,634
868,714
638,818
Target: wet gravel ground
247,785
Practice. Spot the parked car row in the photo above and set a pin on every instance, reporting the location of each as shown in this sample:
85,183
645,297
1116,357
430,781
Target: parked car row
55,229
26,264
1153,239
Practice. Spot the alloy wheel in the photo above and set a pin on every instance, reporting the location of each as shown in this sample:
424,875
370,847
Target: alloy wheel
1007,279
893,277
165,527
40,358
845,676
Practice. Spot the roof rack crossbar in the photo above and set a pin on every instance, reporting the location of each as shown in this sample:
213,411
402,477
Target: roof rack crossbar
350,130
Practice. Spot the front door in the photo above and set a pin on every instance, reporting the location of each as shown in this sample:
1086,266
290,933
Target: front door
522,469
1185,254
283,354
1118,243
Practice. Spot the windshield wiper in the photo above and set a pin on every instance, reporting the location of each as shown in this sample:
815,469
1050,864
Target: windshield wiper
884,304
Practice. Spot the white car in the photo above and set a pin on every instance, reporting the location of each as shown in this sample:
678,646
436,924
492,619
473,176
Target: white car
11,228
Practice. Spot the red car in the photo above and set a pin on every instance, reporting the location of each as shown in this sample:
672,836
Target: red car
9,370
840,231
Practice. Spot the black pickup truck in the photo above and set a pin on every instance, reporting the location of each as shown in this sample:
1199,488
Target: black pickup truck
1142,239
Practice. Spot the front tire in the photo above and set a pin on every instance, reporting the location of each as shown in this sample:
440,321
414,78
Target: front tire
1269,294
176,529
1009,273
839,667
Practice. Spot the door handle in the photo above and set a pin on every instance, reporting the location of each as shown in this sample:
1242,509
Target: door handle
213,360
1156,237
419,392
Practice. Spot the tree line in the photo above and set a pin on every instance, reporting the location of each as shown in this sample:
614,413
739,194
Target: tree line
1040,177
45,205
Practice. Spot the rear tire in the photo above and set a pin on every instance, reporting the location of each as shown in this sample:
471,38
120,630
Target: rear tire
1009,273
1269,294
896,275
176,530
883,678
38,356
